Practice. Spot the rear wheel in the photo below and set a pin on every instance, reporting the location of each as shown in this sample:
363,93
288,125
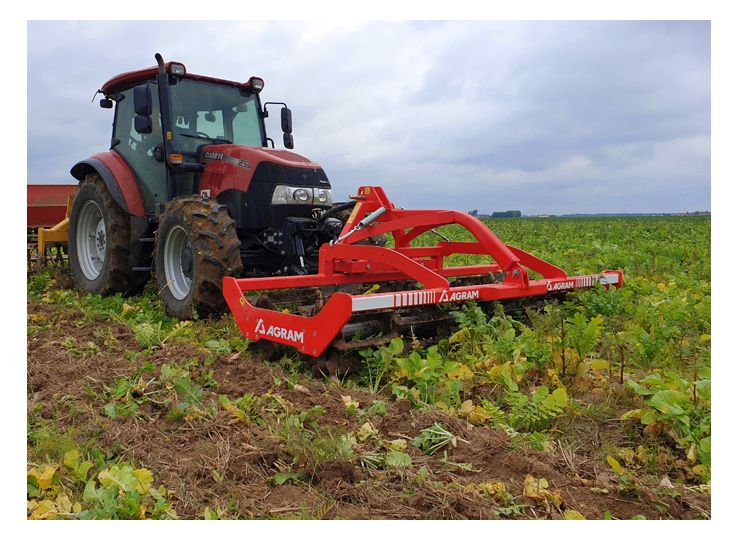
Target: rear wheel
99,241
196,246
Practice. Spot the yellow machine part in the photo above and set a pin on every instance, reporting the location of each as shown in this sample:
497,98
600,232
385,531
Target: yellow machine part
56,234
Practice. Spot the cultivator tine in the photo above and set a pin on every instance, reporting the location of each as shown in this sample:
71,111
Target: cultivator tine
419,280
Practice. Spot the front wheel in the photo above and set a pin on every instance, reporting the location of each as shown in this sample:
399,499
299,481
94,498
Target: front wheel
196,246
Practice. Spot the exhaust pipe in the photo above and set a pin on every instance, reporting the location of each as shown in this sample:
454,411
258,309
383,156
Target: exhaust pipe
160,63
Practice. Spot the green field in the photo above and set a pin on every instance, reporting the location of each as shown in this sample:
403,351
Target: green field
597,407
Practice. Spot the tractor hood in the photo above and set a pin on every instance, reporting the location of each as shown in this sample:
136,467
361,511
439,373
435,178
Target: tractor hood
229,166
248,156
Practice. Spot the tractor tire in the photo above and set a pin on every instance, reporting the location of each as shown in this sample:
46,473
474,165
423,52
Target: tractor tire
99,241
196,246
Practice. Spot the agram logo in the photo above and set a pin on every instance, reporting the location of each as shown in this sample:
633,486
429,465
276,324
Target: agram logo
463,295
563,285
279,332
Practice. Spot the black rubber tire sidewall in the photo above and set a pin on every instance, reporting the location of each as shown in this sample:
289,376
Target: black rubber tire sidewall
183,309
216,254
115,274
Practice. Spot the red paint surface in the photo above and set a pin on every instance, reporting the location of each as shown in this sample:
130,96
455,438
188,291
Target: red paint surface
126,181
47,204
220,175
346,262
131,78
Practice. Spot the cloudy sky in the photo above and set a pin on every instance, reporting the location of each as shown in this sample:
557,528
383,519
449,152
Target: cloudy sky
544,117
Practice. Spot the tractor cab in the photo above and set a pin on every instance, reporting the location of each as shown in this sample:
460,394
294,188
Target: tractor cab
164,122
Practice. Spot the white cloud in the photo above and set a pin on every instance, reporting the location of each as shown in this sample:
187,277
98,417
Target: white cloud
503,114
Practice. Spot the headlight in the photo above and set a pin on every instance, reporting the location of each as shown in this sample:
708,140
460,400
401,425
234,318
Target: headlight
286,194
302,195
324,196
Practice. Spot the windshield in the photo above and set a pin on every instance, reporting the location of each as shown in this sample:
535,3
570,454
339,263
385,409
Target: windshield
203,113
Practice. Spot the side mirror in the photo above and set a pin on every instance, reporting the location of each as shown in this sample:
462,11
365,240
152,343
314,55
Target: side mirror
286,120
142,100
288,141
106,103
142,124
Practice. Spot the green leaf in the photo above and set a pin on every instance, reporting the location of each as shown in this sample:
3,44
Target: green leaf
397,459
561,396
667,401
90,492
647,417
111,410
211,514
32,488
396,346
71,459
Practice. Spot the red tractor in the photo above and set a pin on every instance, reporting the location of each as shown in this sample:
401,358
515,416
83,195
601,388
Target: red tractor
190,187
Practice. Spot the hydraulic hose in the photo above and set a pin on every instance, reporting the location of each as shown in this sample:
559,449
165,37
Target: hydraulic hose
337,209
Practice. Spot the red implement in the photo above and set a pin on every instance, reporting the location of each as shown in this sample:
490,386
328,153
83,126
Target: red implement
47,204
345,262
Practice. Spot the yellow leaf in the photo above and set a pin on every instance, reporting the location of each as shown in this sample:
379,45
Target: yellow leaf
475,414
699,469
632,413
662,286
77,507
45,509
570,514
580,371
106,478
63,503
395,445
46,477
600,364
366,431
691,455
459,336
371,290
348,401
145,478
127,308
616,466
496,488
466,408
705,338
535,488
462,373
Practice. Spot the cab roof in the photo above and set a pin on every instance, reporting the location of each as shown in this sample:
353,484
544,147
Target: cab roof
132,78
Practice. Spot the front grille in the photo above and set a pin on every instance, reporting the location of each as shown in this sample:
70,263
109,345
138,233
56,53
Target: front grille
280,174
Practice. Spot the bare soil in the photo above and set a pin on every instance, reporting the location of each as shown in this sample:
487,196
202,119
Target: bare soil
230,464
